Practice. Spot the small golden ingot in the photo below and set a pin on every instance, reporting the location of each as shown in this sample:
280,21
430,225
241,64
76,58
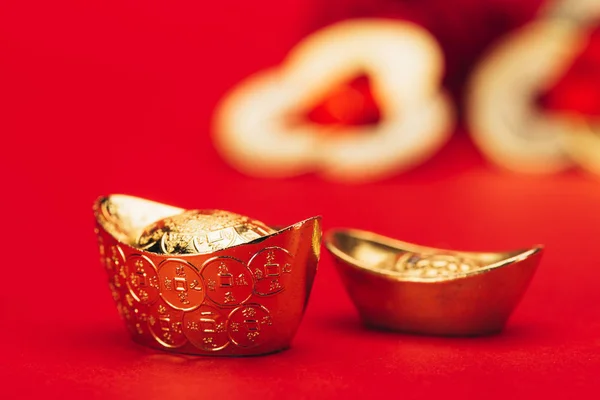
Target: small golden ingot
206,282
410,288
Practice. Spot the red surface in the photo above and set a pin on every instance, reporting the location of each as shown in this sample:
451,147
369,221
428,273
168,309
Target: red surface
108,97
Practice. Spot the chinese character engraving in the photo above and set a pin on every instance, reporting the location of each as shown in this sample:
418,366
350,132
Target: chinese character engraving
211,284
271,267
220,328
209,341
168,284
183,297
275,285
241,280
249,312
225,277
229,298
143,295
195,285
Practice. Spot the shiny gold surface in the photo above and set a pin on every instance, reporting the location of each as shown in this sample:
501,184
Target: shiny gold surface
401,286
200,232
206,282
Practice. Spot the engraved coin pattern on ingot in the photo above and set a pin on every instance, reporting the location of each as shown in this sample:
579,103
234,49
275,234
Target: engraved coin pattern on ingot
216,240
433,265
228,281
143,279
101,247
206,328
134,315
116,267
166,325
272,268
180,285
249,325
115,294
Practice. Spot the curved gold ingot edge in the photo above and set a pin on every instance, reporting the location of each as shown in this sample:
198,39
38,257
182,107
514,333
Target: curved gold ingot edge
464,303
246,299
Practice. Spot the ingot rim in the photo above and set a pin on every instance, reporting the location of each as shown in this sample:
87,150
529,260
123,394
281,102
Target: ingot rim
514,256
277,228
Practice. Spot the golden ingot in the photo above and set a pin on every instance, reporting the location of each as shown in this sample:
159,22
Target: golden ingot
410,288
206,282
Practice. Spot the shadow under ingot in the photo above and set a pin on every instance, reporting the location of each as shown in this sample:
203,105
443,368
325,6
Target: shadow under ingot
206,282
405,287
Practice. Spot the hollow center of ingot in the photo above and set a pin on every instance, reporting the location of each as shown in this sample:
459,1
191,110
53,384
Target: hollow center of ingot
200,232
433,265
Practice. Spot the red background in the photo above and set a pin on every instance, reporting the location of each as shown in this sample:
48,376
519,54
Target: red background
116,97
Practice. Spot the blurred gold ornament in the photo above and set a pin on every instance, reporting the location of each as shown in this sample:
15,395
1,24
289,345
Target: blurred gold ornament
406,287
505,119
583,145
255,129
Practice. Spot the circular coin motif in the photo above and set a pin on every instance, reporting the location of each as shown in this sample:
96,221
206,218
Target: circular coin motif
180,285
272,269
165,325
249,325
134,315
207,242
228,281
143,279
206,328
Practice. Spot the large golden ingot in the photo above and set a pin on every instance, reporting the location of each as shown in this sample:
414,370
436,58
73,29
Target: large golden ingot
405,287
206,282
